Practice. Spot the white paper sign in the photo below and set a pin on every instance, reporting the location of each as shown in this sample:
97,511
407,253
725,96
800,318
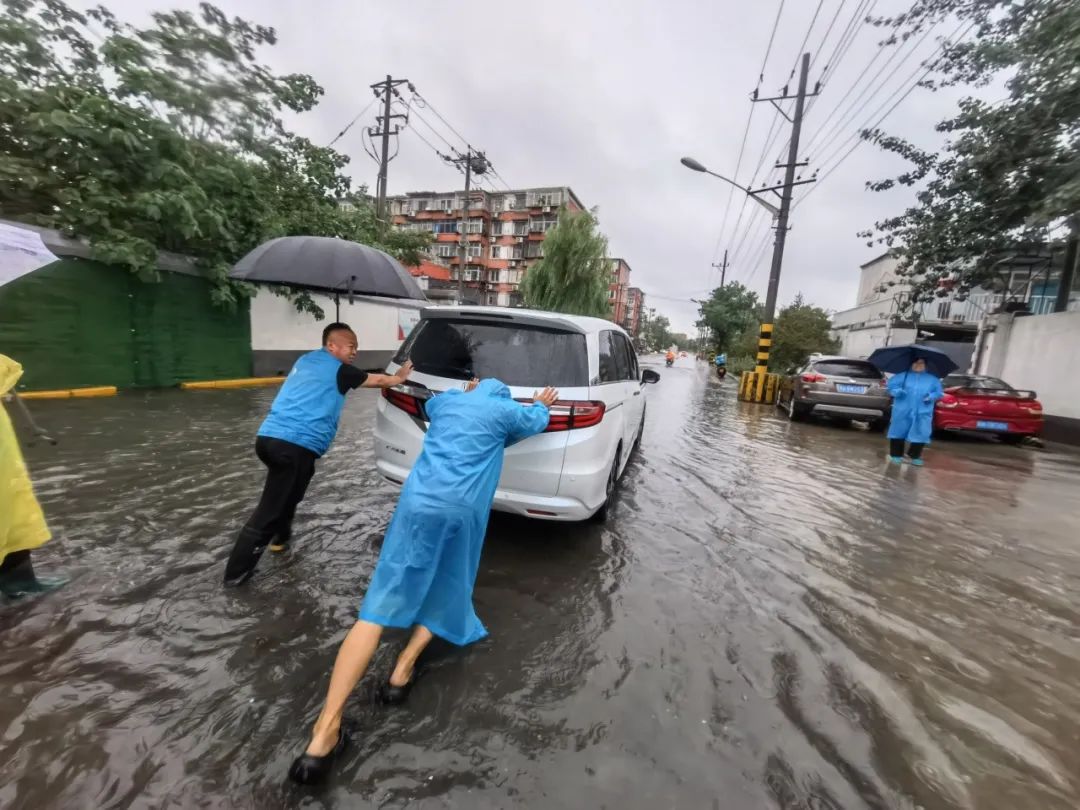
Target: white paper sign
21,252
407,321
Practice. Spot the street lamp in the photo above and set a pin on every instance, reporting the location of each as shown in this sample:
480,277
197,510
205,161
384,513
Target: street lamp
694,165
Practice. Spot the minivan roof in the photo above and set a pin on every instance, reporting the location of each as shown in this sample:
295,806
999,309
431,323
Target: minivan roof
535,317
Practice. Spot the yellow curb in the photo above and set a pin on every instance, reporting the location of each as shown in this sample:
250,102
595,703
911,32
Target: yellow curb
246,382
78,393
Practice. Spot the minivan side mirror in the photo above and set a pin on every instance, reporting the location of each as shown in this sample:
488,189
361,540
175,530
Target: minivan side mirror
649,377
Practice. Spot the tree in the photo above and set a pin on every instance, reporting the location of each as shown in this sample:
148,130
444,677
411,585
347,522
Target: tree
656,332
574,274
729,312
801,330
1009,178
164,138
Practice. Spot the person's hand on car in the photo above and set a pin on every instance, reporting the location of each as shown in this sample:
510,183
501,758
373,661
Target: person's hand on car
404,372
546,397
471,384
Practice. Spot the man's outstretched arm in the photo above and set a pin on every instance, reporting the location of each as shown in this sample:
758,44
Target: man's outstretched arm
389,380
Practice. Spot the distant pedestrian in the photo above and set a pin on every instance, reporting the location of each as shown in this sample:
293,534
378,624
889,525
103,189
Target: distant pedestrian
22,523
914,393
302,423
429,558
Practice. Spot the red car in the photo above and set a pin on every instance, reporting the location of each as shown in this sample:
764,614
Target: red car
987,405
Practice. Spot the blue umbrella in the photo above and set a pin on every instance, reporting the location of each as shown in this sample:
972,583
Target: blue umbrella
894,359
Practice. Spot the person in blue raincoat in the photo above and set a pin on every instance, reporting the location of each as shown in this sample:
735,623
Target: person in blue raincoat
427,566
914,393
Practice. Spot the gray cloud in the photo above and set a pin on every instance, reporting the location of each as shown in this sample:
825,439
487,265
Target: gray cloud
606,97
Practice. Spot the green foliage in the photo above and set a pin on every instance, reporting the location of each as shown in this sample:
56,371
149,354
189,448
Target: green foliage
656,331
165,138
1009,178
574,275
730,311
800,330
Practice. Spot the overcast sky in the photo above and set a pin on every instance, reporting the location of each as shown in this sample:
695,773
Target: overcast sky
605,97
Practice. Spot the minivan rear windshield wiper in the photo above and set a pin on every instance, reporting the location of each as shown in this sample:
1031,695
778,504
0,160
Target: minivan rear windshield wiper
435,368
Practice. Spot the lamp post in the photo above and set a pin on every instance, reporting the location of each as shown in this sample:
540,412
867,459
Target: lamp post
696,166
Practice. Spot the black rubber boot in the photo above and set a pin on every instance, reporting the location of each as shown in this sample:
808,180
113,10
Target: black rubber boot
17,577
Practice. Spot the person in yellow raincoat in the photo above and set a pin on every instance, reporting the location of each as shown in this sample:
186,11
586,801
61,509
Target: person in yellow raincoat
22,523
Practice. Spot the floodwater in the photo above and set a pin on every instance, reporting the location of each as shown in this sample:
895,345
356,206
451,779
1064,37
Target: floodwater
773,618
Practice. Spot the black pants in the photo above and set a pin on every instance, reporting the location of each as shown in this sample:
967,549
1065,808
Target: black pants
896,448
289,471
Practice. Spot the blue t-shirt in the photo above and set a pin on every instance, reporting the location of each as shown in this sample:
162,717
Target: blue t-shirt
307,408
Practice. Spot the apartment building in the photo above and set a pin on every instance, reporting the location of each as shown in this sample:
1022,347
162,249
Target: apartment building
619,290
634,308
505,232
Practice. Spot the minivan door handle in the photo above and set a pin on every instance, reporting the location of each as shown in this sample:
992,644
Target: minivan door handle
637,393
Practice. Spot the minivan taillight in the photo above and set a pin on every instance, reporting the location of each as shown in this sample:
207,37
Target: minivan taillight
406,402
813,378
573,414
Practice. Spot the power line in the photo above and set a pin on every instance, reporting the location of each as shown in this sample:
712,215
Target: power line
858,134
902,84
847,37
825,134
768,48
410,128
349,126
425,104
806,38
746,133
410,111
824,39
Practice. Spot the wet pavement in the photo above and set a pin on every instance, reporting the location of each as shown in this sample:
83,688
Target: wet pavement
773,618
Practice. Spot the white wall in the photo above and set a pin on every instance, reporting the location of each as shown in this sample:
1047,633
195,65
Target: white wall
874,274
1041,355
277,326
861,342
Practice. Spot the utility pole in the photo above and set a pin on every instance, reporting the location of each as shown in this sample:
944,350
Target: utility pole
473,162
722,267
765,336
385,90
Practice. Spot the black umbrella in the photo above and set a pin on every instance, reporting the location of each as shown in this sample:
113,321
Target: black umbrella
327,264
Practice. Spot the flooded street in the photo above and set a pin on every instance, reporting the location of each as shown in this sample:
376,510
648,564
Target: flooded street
773,618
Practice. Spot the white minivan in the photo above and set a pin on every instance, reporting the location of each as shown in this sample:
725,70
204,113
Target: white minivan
571,471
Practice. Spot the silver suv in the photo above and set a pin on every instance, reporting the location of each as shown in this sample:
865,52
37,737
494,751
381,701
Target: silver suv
839,387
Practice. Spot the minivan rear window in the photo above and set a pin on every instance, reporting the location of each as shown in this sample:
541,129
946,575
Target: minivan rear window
848,368
517,354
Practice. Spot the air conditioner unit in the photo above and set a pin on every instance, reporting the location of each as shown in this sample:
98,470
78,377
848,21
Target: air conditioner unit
547,209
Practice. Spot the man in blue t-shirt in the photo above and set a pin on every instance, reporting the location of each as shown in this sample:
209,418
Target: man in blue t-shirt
302,422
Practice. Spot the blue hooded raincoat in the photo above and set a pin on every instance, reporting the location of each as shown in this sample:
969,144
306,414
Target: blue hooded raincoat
428,563
914,394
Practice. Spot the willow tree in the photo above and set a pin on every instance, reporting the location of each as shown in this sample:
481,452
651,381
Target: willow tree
574,275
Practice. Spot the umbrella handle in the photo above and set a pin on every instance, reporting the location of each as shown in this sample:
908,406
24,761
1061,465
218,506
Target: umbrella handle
351,280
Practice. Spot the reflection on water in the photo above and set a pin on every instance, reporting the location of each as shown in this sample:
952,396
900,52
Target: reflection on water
772,618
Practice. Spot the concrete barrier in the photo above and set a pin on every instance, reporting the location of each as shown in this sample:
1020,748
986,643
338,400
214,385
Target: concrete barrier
755,386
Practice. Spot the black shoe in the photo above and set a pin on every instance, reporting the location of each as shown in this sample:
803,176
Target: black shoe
308,769
392,695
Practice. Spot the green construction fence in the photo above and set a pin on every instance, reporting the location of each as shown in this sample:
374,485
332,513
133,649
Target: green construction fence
77,323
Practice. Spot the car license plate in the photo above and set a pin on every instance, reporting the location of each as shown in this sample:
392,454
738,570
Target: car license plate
983,425
851,389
